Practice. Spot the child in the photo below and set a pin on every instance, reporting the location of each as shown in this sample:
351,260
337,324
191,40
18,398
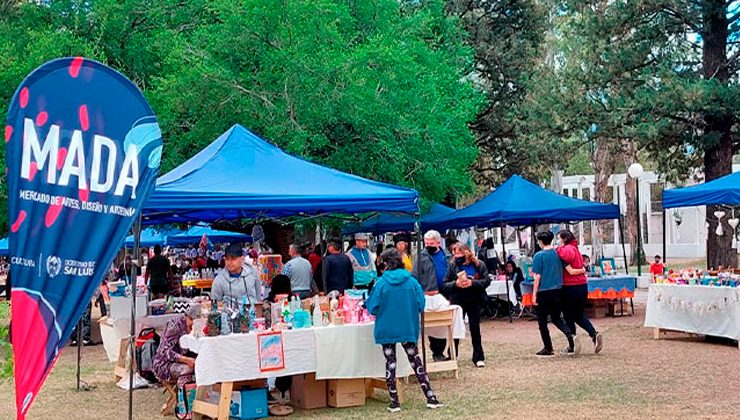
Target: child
548,280
396,300
657,268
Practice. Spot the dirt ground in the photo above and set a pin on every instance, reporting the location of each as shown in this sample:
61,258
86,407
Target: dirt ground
634,377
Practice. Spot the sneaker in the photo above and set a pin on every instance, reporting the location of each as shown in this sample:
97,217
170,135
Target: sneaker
394,408
73,343
577,347
438,358
545,353
434,403
480,364
598,343
568,352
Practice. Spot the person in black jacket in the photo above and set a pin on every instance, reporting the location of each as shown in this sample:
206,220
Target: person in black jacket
465,283
337,271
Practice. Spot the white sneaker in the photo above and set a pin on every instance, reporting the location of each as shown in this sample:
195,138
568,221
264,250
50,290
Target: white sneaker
480,364
577,347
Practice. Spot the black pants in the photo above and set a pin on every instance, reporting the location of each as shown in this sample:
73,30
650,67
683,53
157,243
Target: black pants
574,300
85,321
283,383
437,346
548,304
472,310
412,353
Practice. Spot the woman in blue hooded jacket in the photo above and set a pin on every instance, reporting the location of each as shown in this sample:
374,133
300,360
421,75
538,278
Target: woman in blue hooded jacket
396,301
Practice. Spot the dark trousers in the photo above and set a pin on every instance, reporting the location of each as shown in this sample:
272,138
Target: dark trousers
548,304
85,321
472,310
574,300
412,353
283,383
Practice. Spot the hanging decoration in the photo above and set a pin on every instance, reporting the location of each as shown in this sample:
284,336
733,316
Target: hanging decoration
734,222
719,215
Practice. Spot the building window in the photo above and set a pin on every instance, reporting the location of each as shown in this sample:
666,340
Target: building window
656,197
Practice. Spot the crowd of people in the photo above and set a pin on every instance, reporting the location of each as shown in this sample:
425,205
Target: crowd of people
399,288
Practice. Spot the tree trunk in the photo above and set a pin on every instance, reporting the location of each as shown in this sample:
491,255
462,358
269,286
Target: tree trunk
629,154
603,165
718,127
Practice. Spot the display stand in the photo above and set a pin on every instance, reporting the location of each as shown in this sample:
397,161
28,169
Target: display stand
443,319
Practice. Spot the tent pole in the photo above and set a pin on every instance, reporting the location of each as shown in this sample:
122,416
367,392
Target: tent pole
665,248
132,338
419,246
624,250
79,349
503,260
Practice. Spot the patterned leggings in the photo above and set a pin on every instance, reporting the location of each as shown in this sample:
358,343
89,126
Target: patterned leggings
412,352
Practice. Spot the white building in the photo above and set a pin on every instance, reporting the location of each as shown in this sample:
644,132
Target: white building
686,227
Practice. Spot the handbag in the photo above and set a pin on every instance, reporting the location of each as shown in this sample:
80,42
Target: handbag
185,398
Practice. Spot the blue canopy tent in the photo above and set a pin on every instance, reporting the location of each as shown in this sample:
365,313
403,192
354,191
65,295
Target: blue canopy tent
724,190
240,175
519,202
721,191
386,222
150,237
195,233
4,246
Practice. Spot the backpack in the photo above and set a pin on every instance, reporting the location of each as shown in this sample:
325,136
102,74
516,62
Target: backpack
147,343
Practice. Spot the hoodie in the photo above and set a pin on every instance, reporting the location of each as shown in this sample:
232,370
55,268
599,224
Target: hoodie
231,289
571,255
396,301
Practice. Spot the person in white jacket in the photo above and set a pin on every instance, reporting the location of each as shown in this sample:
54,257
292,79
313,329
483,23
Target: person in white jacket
237,280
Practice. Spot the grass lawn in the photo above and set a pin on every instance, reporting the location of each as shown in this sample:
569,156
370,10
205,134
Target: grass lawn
634,377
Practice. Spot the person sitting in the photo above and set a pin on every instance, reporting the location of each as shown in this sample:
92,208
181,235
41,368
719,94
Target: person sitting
237,280
514,274
657,268
396,300
171,363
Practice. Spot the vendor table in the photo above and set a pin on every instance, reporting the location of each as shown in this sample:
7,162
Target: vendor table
498,288
599,288
706,310
333,352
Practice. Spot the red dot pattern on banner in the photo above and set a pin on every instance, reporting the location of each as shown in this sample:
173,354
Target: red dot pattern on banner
84,118
53,213
74,68
8,133
33,168
84,194
17,224
61,156
24,97
42,118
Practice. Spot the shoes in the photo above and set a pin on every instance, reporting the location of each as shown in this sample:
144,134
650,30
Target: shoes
73,343
480,364
394,408
568,352
544,353
598,343
87,343
441,358
577,347
433,403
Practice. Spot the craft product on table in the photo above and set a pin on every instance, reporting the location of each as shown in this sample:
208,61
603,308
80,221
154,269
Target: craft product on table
270,265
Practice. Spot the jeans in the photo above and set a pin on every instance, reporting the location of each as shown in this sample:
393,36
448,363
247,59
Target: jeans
412,352
574,300
548,304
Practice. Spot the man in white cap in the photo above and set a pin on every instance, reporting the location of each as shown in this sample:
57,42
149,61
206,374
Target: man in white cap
363,262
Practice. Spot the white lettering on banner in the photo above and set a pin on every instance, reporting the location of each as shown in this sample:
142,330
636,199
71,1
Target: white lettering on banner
99,142
25,262
76,152
46,156
74,162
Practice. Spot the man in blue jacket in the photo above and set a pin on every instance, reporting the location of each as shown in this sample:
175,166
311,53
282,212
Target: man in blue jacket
396,301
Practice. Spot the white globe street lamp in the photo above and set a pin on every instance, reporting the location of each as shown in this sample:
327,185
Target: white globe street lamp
635,171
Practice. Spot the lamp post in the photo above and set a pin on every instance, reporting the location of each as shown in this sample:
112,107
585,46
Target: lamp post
635,171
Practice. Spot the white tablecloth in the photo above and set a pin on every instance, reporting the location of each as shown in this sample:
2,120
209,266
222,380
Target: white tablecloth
113,330
439,303
498,288
333,352
706,310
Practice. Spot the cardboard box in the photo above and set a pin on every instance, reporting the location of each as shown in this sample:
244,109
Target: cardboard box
346,393
308,393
